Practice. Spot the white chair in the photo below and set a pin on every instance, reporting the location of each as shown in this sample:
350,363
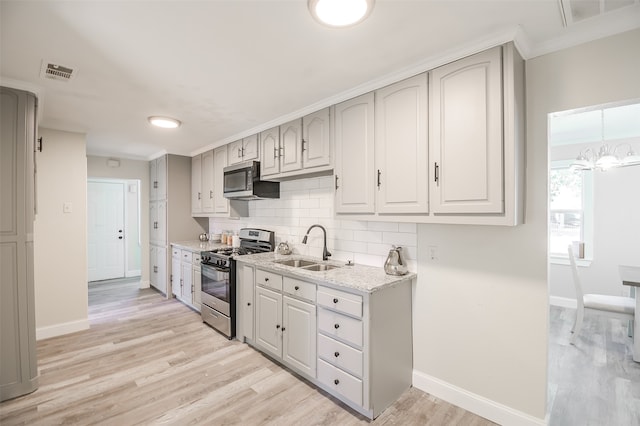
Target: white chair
619,307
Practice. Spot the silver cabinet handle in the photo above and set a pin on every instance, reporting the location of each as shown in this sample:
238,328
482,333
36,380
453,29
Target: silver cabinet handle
303,147
436,173
337,182
275,153
379,174
198,195
210,194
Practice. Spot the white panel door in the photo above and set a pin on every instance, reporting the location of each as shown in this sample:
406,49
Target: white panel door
153,266
354,141
291,146
316,135
153,180
269,152
299,335
220,203
153,222
269,321
196,184
465,140
161,262
208,182
246,310
186,276
105,229
401,147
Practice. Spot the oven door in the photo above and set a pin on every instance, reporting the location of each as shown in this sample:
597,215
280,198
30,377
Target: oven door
216,288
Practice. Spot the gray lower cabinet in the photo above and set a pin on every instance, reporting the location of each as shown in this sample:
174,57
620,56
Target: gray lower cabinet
355,345
18,365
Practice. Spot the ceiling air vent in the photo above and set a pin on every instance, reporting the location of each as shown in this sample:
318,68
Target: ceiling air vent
57,72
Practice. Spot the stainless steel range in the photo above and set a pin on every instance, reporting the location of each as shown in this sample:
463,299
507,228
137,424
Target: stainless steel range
219,278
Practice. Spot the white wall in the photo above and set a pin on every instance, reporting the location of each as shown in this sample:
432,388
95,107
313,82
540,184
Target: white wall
61,238
129,169
305,202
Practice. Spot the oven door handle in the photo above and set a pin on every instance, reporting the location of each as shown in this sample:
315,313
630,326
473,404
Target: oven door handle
217,268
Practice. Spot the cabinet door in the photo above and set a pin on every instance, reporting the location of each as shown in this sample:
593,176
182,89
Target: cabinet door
299,335
247,286
153,257
176,277
269,152
401,147
354,171
235,152
250,148
153,222
161,223
197,286
196,184
316,135
161,266
465,141
208,179
291,146
268,323
187,289
220,203
162,177
153,180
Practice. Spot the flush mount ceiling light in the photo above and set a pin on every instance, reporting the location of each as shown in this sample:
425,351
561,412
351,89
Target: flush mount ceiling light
164,122
340,13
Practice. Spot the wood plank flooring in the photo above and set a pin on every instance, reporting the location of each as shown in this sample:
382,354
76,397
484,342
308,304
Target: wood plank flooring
595,382
148,360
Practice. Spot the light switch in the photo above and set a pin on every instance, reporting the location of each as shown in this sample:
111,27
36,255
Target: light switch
433,253
67,207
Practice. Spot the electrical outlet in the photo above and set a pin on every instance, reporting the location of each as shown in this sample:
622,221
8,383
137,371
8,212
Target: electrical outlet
67,207
432,253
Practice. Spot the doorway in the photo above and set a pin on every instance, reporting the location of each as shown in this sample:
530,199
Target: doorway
113,231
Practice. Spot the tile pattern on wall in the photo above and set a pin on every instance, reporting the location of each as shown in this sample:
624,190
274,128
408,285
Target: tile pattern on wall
305,202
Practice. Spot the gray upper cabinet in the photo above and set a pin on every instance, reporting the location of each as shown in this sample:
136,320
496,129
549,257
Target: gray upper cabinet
466,135
316,139
18,366
245,149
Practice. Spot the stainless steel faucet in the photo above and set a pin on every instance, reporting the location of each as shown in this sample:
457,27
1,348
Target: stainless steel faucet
325,252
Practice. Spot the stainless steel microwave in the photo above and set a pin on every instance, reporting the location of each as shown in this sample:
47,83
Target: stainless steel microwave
242,182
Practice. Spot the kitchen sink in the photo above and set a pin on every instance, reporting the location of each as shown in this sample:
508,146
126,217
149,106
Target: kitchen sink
320,267
296,263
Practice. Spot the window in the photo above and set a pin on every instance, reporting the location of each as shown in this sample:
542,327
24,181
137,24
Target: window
570,209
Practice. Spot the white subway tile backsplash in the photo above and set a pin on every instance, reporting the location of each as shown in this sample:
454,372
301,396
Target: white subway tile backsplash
400,238
306,202
383,226
368,236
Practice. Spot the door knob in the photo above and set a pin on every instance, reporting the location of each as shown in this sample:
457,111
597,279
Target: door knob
120,237
120,230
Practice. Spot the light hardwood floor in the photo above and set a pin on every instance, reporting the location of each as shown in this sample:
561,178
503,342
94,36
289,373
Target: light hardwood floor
148,360
595,382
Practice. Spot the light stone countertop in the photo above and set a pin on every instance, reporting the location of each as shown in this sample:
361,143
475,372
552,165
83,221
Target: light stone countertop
198,246
363,278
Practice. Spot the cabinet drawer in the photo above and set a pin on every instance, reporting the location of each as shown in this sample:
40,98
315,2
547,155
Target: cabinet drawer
350,304
342,327
299,288
186,256
267,279
341,382
340,355
176,252
196,259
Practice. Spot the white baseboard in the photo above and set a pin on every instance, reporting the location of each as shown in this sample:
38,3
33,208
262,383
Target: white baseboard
134,273
145,284
563,302
477,404
61,329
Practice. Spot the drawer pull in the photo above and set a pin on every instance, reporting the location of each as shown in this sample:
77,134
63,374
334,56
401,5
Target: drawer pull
336,326
266,279
283,329
335,300
278,326
296,288
336,381
336,354
248,303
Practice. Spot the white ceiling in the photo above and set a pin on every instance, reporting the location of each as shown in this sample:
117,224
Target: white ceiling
230,68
